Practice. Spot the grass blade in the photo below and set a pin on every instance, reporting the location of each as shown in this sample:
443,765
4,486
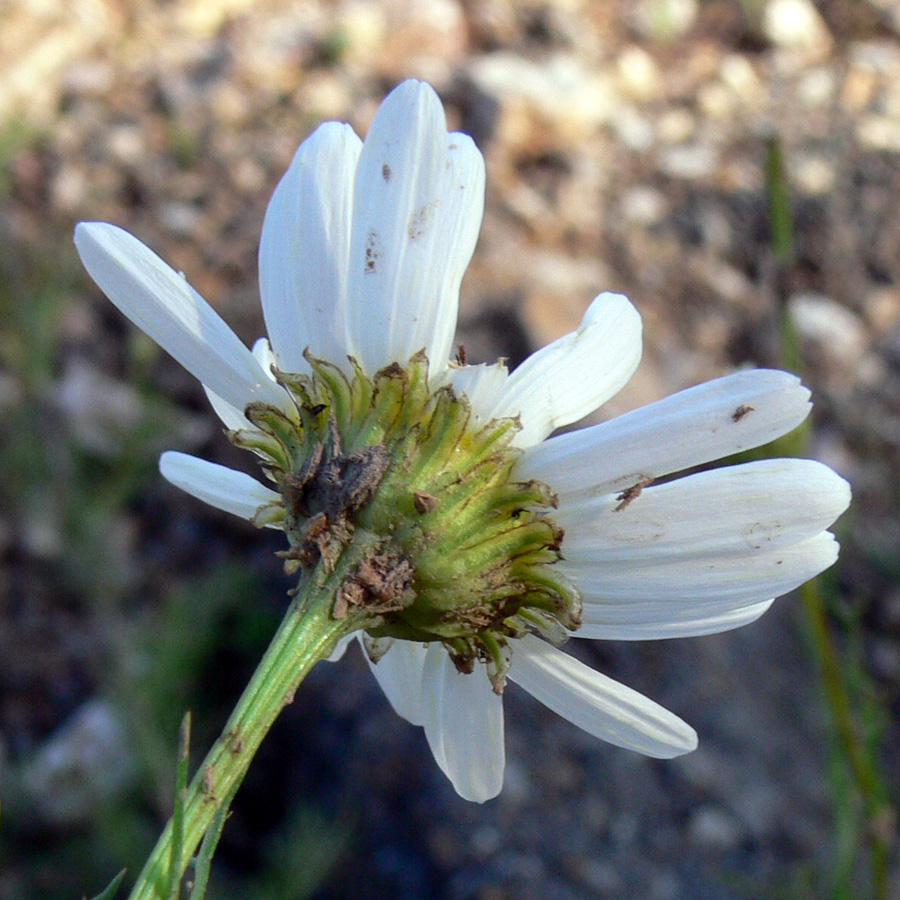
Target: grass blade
210,841
110,891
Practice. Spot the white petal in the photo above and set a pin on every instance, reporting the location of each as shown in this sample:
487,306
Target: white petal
734,510
669,588
304,249
233,418
564,381
444,244
230,416
602,707
219,486
704,553
399,673
163,304
695,426
689,624
263,354
417,210
482,385
464,726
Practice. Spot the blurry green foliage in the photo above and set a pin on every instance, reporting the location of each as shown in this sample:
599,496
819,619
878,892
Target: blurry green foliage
857,863
163,655
300,857
15,135
185,145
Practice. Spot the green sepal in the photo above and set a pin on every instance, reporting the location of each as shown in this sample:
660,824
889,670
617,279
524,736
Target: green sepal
279,426
336,390
267,448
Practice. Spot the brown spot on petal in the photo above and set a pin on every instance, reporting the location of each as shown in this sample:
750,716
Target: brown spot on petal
420,220
373,253
632,493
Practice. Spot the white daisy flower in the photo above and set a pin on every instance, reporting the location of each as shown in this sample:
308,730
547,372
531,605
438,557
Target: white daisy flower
493,540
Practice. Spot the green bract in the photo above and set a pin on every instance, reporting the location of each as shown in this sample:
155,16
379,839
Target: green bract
459,551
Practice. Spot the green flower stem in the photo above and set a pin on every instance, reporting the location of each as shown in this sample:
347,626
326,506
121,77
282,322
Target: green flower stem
308,633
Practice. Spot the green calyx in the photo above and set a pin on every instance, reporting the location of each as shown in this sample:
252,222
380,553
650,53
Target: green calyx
446,545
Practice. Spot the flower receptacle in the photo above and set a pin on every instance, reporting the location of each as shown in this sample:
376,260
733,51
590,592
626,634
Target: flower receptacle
458,551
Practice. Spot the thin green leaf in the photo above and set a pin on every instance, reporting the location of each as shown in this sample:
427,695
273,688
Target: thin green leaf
781,219
203,861
110,891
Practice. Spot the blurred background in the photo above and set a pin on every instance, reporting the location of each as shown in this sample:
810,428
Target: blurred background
732,165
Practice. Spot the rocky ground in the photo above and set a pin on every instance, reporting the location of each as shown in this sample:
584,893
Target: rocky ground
627,147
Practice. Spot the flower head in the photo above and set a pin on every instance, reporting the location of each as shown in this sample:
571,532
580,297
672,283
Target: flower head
489,542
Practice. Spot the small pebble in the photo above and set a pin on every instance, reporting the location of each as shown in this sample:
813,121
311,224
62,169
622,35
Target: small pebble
712,827
831,328
796,24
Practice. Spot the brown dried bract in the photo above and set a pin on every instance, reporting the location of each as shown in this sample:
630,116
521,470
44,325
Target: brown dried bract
323,497
381,584
236,740
315,538
208,784
424,503
631,494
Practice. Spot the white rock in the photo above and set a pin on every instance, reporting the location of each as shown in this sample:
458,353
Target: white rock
881,308
126,144
42,534
180,218
601,876
643,205
878,56
100,410
689,161
86,761
876,132
559,89
817,87
663,18
363,26
716,101
675,126
638,73
796,24
738,73
634,130
485,841
814,174
89,77
712,827
829,327
69,187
